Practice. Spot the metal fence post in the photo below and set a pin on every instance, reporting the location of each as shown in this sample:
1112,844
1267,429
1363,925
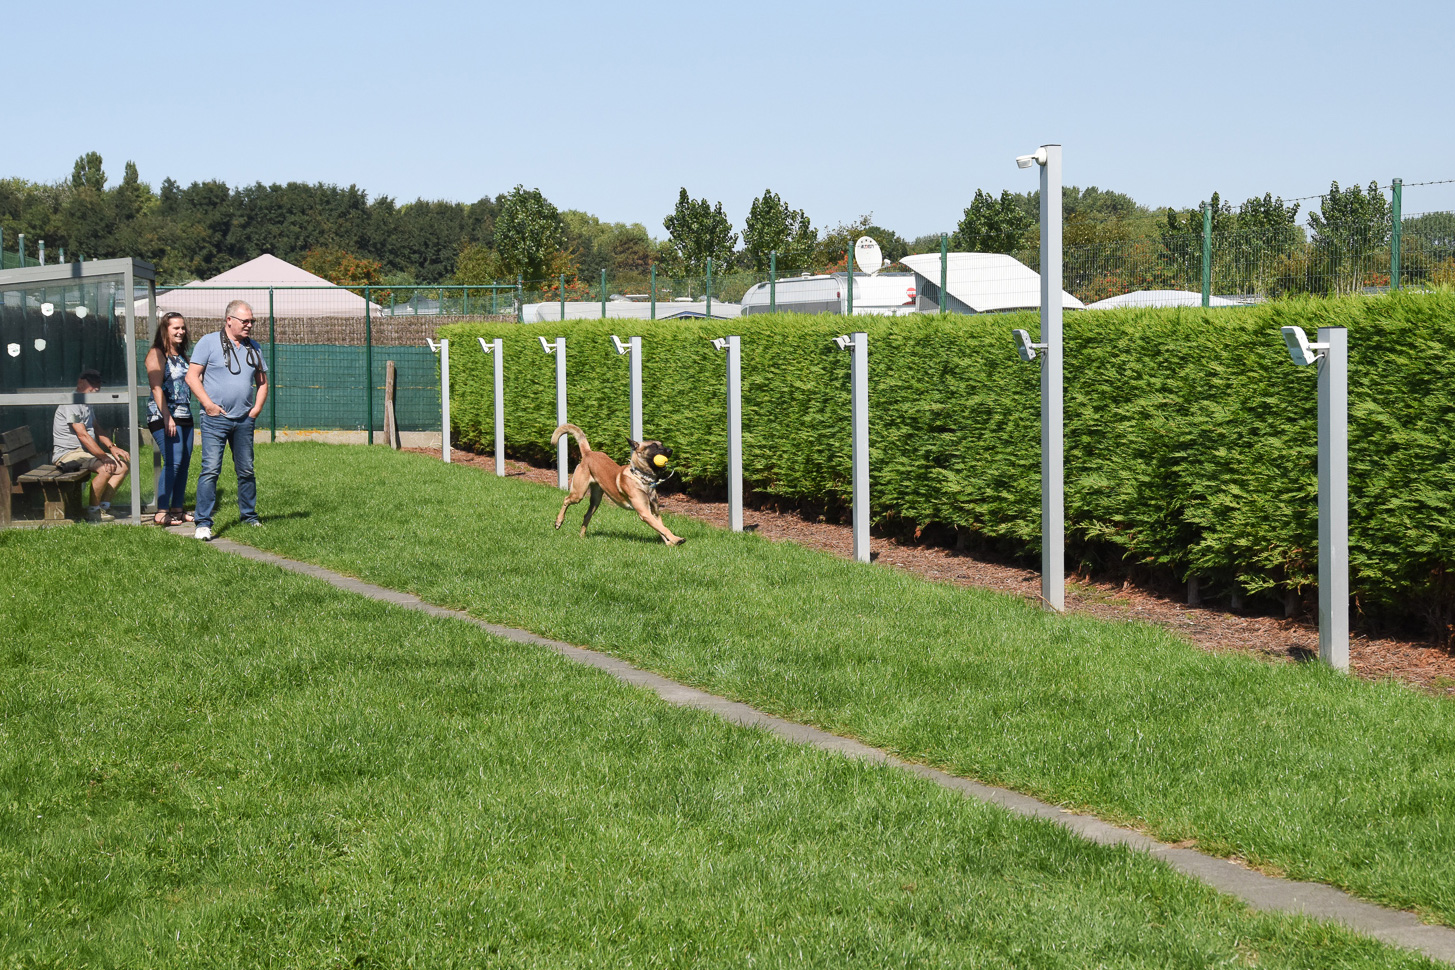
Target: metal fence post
1206,254
708,313
1333,368
772,283
654,291
634,346
368,368
1396,190
563,296
519,298
21,245
734,429
1334,498
559,349
497,346
40,251
849,281
444,401
858,344
603,292
944,268
272,370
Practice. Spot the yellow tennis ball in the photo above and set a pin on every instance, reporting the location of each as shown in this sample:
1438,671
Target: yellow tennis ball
659,460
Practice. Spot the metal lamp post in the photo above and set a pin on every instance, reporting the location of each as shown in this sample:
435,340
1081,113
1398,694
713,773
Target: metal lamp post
443,349
634,345
559,349
1332,356
497,347
1053,499
858,342
734,428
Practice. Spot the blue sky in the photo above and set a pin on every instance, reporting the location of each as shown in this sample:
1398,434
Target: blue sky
843,109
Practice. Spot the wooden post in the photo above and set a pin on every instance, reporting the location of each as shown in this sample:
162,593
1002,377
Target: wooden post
391,426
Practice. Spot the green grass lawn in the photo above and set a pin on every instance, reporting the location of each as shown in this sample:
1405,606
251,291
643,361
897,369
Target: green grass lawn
1293,767
207,762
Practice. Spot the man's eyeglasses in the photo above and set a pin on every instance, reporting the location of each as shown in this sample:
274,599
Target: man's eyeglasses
242,319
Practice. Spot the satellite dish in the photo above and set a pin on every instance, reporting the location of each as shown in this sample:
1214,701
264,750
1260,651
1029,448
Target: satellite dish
868,256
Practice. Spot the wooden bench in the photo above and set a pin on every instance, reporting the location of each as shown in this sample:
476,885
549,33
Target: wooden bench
57,494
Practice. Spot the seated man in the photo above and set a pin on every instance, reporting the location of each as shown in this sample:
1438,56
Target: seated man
78,447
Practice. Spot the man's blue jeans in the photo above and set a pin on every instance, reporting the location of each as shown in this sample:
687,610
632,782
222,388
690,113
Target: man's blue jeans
218,433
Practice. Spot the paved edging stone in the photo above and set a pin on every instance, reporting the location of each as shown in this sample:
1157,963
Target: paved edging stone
1259,891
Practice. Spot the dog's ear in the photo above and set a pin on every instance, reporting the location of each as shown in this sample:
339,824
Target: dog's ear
635,444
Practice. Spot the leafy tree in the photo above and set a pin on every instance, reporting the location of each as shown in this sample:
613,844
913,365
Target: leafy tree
477,264
771,227
342,267
528,233
699,231
832,252
992,225
1349,230
1272,220
88,173
1350,220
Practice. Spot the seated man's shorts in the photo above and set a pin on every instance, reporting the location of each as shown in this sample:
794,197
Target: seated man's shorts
79,459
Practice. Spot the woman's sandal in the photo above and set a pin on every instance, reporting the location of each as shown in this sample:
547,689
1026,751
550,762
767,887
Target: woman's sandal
180,518
162,518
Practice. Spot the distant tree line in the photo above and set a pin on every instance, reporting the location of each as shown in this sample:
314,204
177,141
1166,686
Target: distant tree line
197,231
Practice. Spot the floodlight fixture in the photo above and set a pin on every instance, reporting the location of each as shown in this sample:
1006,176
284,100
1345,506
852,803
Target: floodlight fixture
719,343
485,346
548,347
1038,157
844,341
621,348
1300,350
434,347
1024,347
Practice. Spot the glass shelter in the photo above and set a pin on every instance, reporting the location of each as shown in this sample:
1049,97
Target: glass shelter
59,320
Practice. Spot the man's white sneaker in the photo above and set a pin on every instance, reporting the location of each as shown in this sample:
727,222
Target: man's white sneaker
204,533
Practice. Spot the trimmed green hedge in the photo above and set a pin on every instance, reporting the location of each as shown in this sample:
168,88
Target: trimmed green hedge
1191,440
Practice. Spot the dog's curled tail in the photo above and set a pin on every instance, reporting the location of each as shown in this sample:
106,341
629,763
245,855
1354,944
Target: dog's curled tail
576,433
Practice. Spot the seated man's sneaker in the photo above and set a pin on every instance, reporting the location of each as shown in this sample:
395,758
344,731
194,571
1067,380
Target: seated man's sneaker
99,515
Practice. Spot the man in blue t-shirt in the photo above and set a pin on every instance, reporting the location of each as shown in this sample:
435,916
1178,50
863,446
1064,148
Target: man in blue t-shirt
226,367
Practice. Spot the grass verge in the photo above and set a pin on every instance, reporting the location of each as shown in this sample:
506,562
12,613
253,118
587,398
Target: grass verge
1295,768
208,762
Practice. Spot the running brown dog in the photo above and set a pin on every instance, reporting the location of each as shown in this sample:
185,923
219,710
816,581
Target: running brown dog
633,485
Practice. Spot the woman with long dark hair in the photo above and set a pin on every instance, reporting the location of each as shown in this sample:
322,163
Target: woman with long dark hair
169,415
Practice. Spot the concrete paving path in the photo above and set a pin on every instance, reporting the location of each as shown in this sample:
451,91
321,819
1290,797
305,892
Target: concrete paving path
1254,888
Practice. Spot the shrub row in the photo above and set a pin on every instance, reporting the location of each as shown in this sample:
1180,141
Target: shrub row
1191,440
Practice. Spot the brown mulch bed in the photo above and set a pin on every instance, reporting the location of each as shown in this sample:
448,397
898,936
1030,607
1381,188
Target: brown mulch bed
1418,663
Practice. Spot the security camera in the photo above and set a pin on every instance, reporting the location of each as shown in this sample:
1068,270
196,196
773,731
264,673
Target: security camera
844,341
1300,350
1024,347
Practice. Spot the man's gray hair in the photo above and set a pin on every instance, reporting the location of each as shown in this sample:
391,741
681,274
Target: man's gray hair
233,307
